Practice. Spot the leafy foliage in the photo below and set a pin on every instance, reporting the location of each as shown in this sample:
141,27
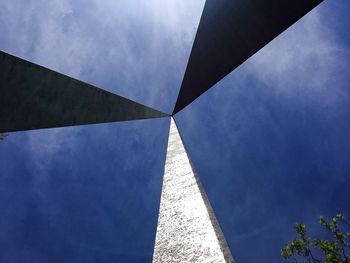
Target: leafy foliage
305,249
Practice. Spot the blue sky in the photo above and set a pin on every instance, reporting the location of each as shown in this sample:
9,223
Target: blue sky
136,48
91,193
270,142
87,194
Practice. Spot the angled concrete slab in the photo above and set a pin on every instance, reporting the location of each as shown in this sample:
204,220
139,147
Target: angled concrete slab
229,33
187,228
34,97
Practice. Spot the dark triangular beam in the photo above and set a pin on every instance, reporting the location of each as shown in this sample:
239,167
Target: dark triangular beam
34,97
230,31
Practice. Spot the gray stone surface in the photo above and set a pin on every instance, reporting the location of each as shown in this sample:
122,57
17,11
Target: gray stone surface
34,97
187,229
229,33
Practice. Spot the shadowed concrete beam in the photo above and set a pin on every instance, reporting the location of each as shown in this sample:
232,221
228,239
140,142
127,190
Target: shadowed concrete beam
34,97
230,31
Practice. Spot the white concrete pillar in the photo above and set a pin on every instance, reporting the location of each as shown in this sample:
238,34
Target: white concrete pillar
187,229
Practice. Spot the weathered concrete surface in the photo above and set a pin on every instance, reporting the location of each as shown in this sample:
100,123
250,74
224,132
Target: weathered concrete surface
229,33
187,228
34,97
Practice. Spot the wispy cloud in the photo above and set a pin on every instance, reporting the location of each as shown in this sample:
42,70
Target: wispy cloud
45,145
307,60
136,48
266,138
302,59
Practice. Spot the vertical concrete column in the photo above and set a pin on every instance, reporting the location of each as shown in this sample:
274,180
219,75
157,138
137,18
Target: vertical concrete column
187,228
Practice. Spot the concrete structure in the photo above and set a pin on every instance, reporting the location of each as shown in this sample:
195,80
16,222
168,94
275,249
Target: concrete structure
187,228
229,33
34,97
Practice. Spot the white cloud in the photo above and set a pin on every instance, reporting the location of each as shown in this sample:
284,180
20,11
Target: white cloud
44,145
304,57
136,48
